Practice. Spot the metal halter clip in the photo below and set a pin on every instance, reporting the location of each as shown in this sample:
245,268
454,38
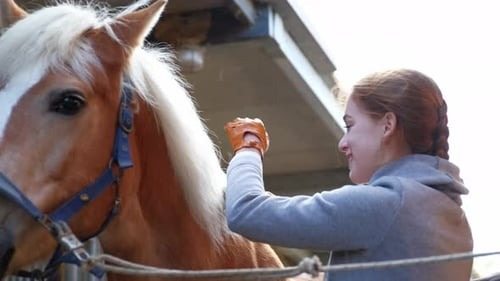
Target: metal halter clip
68,241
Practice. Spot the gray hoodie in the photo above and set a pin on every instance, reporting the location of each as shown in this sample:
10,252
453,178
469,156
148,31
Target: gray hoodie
410,208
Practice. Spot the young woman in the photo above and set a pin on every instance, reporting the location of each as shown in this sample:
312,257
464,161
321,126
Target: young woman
405,201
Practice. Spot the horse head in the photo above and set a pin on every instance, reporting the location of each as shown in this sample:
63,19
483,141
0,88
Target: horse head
61,94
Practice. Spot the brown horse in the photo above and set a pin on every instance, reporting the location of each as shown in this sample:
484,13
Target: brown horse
63,72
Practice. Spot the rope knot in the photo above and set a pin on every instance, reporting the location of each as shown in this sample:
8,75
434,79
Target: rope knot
311,266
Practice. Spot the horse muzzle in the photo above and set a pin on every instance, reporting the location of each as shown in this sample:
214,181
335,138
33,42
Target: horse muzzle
6,250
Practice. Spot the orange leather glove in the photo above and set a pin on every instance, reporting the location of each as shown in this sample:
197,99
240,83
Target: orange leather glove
237,129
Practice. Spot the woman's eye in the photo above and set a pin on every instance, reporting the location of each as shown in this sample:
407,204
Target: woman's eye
68,103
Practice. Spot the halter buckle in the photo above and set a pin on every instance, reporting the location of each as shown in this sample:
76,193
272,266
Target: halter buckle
126,115
66,236
69,242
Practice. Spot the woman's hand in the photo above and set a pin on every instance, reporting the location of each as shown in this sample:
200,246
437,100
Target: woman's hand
247,133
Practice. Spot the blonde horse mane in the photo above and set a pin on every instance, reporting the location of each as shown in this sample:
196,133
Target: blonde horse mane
192,152
52,45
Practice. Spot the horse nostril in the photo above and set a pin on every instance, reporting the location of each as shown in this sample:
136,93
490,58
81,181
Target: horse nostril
6,250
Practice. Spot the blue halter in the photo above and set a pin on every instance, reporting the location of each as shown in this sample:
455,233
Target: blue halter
70,249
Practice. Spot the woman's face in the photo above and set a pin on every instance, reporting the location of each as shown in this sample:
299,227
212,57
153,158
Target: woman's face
362,142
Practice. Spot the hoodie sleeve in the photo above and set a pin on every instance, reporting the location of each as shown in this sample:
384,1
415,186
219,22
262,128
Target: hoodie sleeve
348,218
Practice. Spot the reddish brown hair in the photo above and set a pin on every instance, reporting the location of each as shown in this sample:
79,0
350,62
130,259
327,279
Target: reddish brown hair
417,102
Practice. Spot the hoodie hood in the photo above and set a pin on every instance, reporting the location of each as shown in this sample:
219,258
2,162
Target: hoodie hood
432,171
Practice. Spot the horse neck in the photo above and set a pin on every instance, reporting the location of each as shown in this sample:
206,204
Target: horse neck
155,225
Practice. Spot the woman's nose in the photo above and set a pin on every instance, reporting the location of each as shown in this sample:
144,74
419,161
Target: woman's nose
342,145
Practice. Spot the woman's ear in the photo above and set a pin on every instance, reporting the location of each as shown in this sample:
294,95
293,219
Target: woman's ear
390,123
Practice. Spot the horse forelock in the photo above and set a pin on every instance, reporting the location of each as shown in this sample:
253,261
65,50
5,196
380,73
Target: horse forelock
51,38
195,158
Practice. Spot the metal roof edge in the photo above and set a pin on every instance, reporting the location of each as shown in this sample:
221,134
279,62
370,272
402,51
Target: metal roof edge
300,30
301,71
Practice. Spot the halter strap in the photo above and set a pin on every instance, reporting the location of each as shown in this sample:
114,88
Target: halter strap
70,249
10,191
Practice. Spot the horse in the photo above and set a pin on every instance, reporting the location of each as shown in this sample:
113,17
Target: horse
85,100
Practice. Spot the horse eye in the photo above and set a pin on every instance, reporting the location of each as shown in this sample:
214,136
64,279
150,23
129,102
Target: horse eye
67,103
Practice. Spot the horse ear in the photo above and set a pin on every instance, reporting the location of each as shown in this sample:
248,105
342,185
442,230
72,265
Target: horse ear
133,28
10,12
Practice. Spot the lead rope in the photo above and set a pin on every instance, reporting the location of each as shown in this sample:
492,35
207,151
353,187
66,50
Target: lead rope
308,265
